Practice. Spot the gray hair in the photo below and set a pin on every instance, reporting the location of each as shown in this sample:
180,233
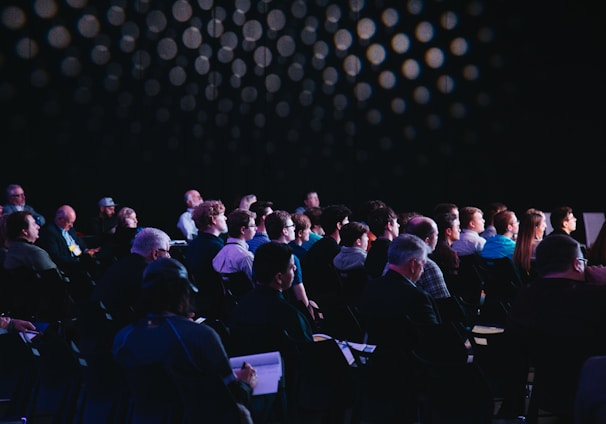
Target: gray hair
149,239
406,247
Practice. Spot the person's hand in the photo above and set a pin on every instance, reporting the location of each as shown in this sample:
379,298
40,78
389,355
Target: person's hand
92,252
314,310
247,374
16,324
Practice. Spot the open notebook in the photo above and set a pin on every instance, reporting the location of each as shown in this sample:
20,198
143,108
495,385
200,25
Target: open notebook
269,370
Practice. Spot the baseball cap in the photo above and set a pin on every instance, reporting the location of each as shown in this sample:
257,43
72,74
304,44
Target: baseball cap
107,201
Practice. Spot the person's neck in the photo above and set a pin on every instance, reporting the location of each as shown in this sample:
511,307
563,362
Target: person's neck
212,231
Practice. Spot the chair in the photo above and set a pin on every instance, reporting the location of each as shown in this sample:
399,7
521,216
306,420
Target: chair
467,284
353,282
235,285
500,286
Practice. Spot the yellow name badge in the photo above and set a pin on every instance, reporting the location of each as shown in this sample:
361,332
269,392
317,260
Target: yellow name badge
75,249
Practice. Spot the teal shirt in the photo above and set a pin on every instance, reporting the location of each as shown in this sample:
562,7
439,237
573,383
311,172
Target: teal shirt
498,246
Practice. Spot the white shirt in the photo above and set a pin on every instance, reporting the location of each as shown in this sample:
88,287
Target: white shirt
186,225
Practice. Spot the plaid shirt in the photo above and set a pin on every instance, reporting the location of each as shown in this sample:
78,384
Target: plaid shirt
432,280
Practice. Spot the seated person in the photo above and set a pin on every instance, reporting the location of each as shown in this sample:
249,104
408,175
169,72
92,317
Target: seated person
127,229
22,232
354,241
16,202
165,336
103,225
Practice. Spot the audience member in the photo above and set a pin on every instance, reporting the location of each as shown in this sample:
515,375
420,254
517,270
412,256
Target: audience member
103,225
449,230
318,268
311,200
261,208
472,224
442,208
383,222
210,219
120,286
22,232
354,242
404,217
502,244
492,209
363,212
432,278
563,220
235,257
166,336
597,252
558,315
281,229
531,231
302,231
317,232
186,224
128,227
65,247
16,202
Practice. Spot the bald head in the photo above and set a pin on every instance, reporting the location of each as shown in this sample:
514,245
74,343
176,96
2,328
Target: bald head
65,217
425,228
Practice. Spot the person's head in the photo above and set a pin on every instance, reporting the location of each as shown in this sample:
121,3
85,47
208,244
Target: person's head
280,226
367,207
472,219
261,208
314,214
151,243
442,208
274,265
311,199
425,228
128,217
407,254
65,217
302,226
21,225
107,207
383,222
560,255
563,219
15,195
404,217
241,224
449,228
192,198
492,209
506,223
334,217
246,201
209,216
166,288
354,234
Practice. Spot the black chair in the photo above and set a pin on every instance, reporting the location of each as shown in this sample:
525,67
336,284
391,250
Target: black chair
235,285
500,286
467,283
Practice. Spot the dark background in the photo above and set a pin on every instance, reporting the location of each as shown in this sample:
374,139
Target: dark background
528,130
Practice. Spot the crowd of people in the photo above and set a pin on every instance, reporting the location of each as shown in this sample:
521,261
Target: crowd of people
257,266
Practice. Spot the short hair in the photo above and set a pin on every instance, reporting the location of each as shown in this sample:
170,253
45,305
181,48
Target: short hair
332,215
301,221
421,226
502,220
466,214
352,231
246,201
125,212
555,253
275,223
368,206
378,219
203,213
404,217
444,221
492,209
237,219
271,258
406,247
260,208
166,287
442,208
149,239
10,188
559,215
16,222
314,213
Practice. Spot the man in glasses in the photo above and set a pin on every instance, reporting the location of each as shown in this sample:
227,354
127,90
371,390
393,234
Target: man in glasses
16,202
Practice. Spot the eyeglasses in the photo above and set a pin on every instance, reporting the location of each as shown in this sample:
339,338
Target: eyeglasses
583,260
251,226
291,225
165,251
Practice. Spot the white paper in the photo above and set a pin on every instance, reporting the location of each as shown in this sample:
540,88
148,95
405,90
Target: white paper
269,370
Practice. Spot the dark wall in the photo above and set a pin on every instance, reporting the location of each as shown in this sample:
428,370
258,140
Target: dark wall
121,99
